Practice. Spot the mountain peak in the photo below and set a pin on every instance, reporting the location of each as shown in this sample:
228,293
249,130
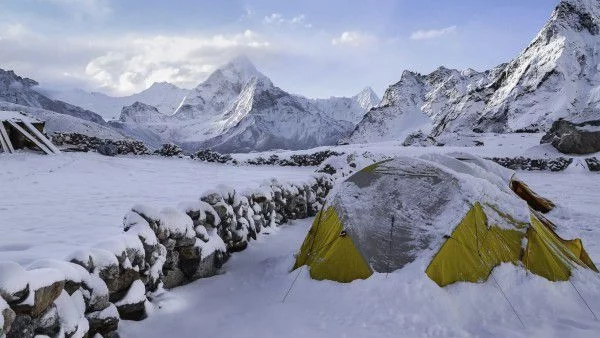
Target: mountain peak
580,15
10,80
238,71
367,98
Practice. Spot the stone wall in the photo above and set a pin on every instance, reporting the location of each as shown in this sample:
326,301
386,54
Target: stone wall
87,295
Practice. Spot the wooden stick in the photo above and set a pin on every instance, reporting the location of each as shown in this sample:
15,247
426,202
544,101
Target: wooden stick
9,148
42,138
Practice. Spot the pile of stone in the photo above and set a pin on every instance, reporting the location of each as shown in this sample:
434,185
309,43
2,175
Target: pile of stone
296,160
169,150
593,163
56,299
207,155
88,295
108,147
523,163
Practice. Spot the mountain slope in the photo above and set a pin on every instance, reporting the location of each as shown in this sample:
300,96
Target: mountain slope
164,96
556,76
21,91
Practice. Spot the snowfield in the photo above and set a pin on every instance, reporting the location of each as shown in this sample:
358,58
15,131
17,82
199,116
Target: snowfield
246,300
57,204
54,205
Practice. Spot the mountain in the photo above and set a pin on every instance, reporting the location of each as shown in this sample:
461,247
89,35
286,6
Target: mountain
163,96
239,109
22,91
556,76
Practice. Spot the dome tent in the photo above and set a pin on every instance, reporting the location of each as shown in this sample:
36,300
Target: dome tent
458,207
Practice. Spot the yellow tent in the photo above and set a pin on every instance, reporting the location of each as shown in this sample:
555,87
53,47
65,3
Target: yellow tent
459,206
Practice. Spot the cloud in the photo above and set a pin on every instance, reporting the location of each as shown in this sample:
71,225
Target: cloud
432,33
279,19
134,63
353,39
84,8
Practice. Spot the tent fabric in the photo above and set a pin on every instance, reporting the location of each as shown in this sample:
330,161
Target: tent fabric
473,249
458,209
330,253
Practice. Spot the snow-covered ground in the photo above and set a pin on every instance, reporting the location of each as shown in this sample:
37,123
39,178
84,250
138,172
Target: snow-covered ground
246,300
53,205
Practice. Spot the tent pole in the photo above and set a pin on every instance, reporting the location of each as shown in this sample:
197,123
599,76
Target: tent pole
390,247
30,137
42,138
583,299
10,147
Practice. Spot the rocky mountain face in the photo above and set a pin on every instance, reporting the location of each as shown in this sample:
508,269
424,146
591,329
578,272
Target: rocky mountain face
556,76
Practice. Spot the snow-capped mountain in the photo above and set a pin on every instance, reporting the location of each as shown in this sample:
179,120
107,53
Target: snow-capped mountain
237,108
164,96
22,91
350,109
556,76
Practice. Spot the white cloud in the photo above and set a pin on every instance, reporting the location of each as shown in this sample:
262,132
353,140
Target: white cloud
353,38
87,8
135,62
432,33
279,19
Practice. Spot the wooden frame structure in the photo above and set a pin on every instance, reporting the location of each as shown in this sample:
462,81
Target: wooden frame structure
19,130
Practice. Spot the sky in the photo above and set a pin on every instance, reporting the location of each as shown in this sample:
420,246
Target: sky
316,48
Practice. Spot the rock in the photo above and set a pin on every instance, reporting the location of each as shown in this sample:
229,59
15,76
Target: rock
119,285
523,163
169,150
22,327
71,311
74,274
47,323
570,138
132,306
14,285
107,149
95,294
420,139
7,317
45,286
593,163
173,278
105,321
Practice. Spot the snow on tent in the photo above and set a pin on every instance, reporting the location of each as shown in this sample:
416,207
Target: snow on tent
19,130
457,212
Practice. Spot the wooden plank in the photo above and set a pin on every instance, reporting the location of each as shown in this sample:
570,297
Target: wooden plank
30,137
2,143
6,138
42,138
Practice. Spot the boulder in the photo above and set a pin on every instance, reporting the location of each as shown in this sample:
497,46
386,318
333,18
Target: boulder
22,327
571,138
95,294
103,322
14,282
45,286
132,306
107,149
47,323
7,317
